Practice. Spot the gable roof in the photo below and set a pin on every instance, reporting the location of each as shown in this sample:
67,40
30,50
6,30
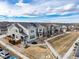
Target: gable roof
27,25
4,25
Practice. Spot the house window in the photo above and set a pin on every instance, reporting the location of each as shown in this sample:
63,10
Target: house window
16,30
22,38
13,36
40,30
32,31
26,36
32,36
40,34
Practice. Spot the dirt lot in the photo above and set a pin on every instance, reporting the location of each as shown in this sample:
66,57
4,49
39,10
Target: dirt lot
38,53
64,43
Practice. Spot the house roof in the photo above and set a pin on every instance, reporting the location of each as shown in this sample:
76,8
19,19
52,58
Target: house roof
46,24
37,25
33,24
17,26
27,25
22,32
4,25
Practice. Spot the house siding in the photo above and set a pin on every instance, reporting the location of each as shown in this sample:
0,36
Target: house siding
14,30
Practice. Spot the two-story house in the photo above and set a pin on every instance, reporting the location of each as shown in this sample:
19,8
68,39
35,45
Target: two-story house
63,28
39,29
30,30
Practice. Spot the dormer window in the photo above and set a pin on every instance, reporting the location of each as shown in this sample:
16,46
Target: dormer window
40,30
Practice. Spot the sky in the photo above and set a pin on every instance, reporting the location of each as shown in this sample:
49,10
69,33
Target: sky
65,11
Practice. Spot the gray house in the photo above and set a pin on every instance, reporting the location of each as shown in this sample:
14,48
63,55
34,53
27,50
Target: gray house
57,29
63,28
39,29
48,29
30,30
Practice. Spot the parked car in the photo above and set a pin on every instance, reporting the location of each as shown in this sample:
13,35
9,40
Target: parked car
7,56
4,54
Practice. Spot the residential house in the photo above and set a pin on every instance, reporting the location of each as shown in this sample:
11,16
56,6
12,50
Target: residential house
63,28
30,30
14,31
56,29
17,33
70,27
48,29
39,29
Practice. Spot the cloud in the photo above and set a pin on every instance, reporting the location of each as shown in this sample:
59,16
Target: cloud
4,9
46,8
39,8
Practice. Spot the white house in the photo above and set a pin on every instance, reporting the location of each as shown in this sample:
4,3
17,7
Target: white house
22,31
18,34
13,30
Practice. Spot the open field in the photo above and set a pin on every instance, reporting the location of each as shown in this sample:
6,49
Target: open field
64,43
38,52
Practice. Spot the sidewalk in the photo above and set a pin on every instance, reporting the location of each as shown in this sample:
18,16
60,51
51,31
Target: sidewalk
54,52
57,36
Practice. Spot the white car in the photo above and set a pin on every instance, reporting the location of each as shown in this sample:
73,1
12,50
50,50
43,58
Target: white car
4,54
